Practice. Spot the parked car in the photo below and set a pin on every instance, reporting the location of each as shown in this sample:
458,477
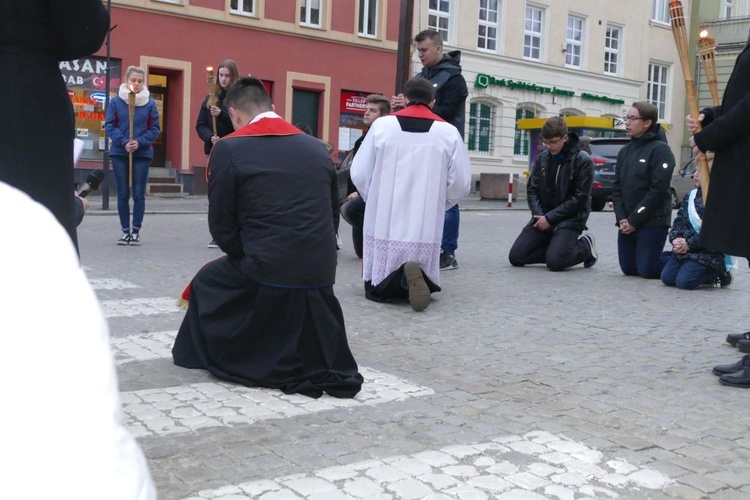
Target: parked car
603,151
682,182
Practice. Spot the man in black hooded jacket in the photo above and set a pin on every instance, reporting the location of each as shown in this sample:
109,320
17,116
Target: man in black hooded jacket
559,196
444,72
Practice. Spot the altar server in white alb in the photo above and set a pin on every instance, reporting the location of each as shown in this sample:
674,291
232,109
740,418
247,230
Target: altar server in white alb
410,169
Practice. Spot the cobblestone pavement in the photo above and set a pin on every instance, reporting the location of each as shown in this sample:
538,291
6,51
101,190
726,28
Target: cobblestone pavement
514,383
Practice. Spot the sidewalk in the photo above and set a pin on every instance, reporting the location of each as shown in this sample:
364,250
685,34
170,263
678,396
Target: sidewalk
166,205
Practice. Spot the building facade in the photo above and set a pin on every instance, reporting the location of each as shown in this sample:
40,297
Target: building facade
318,58
583,59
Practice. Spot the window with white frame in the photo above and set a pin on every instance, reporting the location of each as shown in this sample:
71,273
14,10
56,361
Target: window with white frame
522,137
660,11
242,7
438,17
368,17
727,10
612,41
489,14
656,93
309,13
574,42
481,118
532,33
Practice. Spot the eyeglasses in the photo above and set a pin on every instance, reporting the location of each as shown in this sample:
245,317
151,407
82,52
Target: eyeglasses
553,142
631,118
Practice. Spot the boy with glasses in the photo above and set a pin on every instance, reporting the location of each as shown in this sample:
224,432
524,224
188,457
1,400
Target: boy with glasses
559,196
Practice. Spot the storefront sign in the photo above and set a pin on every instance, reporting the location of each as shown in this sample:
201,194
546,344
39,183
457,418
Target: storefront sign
353,102
483,81
86,80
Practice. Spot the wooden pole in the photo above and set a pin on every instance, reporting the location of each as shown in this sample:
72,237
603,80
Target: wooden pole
677,18
403,60
131,116
707,55
211,102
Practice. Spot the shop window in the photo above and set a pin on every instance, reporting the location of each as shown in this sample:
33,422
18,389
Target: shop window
86,79
246,7
532,33
574,42
309,13
522,140
488,25
481,119
656,93
612,50
438,17
368,17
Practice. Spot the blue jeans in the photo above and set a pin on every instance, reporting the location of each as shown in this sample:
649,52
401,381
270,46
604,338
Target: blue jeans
450,230
686,274
640,251
140,177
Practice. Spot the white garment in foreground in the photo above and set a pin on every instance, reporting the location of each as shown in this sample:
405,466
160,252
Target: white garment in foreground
408,180
60,425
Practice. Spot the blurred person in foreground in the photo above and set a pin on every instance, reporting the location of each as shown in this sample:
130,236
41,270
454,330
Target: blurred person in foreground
726,224
265,315
37,124
62,434
410,169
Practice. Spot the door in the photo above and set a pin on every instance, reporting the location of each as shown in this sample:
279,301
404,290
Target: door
306,109
157,86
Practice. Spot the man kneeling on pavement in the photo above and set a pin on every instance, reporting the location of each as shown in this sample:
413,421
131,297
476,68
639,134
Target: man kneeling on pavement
266,314
410,169
559,196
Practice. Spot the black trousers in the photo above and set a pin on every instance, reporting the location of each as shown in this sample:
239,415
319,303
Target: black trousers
559,248
353,212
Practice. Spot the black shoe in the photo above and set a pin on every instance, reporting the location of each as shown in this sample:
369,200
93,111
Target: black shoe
724,279
739,379
124,239
447,262
743,345
135,239
733,338
740,365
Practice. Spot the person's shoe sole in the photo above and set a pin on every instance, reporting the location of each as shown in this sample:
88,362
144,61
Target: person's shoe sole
419,292
591,261
453,265
732,384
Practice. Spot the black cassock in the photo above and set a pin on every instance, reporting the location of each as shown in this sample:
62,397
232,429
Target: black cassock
265,315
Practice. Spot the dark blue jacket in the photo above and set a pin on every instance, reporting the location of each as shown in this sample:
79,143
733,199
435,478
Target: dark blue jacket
145,127
450,89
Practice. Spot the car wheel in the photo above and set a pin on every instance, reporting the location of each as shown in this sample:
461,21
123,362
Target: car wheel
598,204
675,200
